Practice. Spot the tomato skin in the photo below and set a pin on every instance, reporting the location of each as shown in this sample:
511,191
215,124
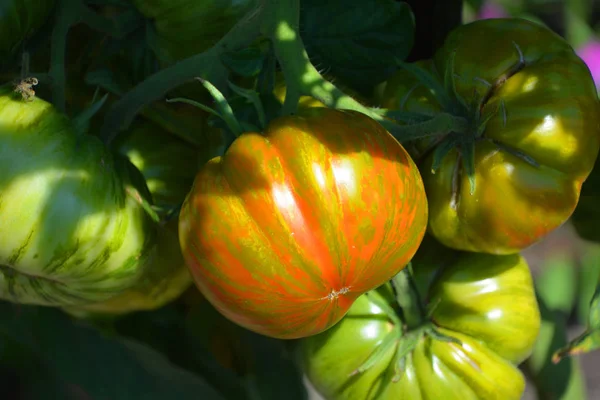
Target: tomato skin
169,166
165,279
492,311
70,233
20,19
286,230
552,116
185,27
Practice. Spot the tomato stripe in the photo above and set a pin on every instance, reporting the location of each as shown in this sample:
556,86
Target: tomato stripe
288,228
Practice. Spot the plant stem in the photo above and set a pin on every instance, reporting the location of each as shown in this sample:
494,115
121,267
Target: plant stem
280,24
301,77
206,65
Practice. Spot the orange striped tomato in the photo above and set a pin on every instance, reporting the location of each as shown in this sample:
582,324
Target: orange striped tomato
290,226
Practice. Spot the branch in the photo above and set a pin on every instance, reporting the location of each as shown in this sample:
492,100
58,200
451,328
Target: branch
280,24
206,65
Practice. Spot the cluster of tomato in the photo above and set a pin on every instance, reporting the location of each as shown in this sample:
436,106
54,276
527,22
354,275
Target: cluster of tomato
396,265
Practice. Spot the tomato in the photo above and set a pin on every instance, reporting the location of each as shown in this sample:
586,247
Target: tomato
168,164
73,230
184,27
534,125
485,301
289,227
164,279
19,20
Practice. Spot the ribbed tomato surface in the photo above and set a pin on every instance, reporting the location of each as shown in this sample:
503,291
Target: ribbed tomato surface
290,226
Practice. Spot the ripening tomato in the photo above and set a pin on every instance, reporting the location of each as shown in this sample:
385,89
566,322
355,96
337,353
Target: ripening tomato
486,302
290,226
533,126
72,227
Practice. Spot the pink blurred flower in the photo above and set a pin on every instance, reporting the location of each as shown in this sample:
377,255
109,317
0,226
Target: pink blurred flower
491,9
590,54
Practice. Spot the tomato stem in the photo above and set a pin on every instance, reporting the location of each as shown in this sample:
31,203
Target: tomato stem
207,64
590,339
281,21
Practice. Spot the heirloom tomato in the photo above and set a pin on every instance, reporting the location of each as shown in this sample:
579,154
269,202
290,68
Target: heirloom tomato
169,166
19,20
532,136
286,229
188,27
72,227
484,321
164,279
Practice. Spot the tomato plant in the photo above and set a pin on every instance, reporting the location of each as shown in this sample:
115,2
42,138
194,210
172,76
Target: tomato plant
197,182
468,347
285,230
531,136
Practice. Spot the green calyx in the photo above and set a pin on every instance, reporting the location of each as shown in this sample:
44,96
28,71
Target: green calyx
463,121
412,324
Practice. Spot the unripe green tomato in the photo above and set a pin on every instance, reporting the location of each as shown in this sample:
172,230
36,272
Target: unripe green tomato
534,114
72,229
485,301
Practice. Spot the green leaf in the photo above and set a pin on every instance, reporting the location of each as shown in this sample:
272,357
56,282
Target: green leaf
82,120
357,41
75,358
247,62
254,98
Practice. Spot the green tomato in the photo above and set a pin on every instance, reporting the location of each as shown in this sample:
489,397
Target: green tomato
164,280
485,301
168,164
73,230
184,27
534,120
19,20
